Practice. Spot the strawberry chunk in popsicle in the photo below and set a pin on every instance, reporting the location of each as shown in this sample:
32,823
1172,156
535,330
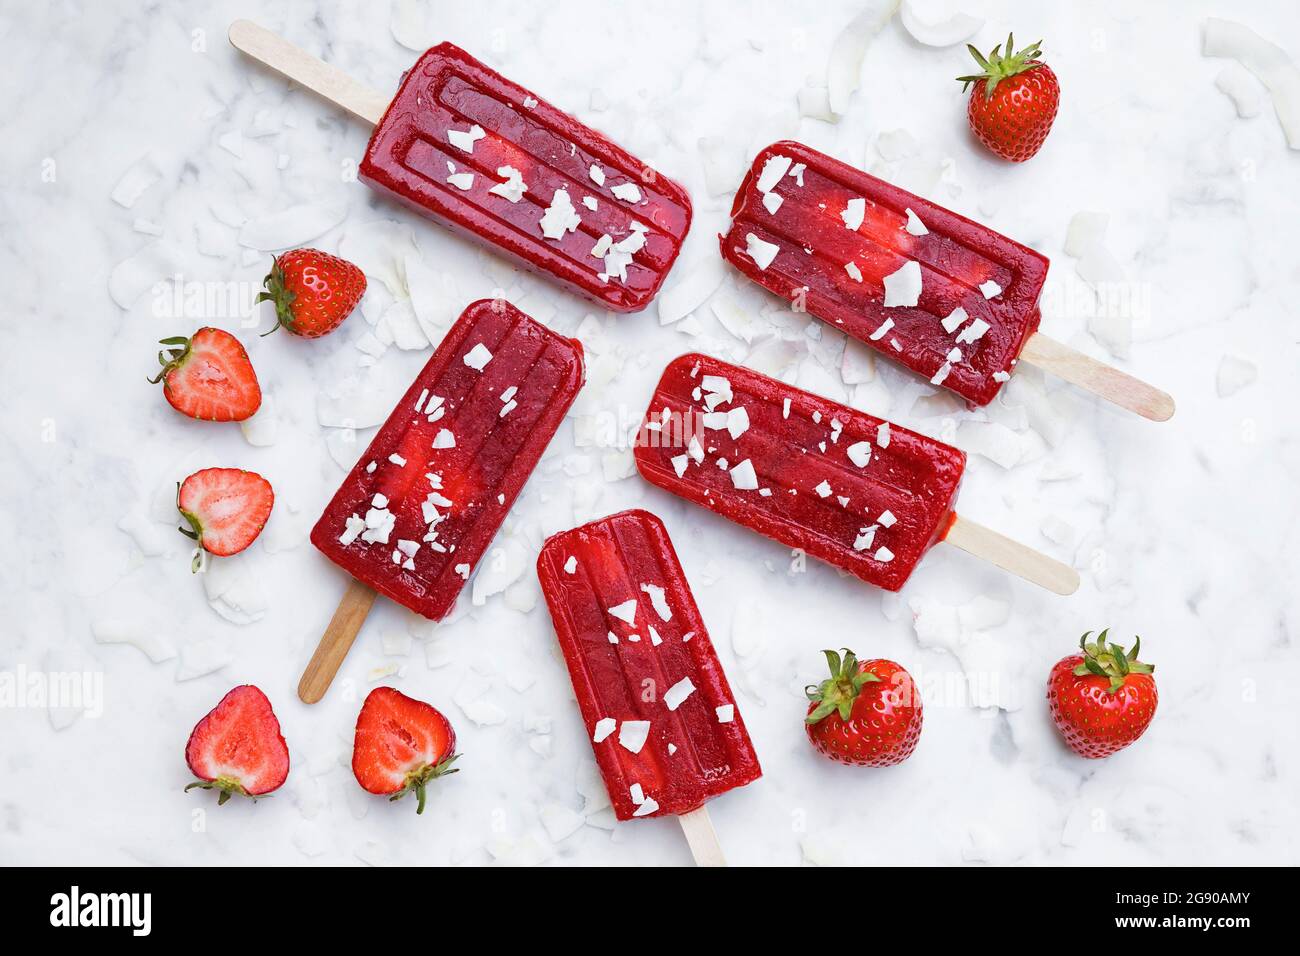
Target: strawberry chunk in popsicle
422,504
944,296
484,156
662,719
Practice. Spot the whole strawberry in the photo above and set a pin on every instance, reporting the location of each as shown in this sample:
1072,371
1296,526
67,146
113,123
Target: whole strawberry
313,291
1014,101
401,745
208,376
867,713
226,509
237,748
1103,699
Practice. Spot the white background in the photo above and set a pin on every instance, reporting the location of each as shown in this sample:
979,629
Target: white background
1183,532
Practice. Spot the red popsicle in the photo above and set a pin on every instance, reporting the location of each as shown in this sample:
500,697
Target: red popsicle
944,296
485,157
453,116
854,490
422,504
661,716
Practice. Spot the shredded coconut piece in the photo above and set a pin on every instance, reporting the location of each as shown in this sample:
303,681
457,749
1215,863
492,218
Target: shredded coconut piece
854,213
465,139
477,357
761,252
513,188
560,216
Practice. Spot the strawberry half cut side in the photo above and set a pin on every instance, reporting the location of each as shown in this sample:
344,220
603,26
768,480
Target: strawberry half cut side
401,746
225,508
237,748
208,376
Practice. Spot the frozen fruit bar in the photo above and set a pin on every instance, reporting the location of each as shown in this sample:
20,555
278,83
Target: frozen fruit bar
662,718
424,501
853,490
946,297
482,155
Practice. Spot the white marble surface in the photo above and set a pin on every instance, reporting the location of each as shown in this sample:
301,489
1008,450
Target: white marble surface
1185,533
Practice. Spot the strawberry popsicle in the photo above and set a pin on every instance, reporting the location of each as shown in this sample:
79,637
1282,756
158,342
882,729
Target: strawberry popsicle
856,491
946,297
416,513
661,716
484,156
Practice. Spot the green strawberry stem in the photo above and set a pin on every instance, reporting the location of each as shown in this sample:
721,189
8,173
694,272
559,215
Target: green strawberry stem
841,689
194,531
172,357
228,787
1109,660
417,780
998,66
277,292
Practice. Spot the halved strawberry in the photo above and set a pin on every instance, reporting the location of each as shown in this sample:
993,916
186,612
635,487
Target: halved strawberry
209,377
237,748
226,508
401,745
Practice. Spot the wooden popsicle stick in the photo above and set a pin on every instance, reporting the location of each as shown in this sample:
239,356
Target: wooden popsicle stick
305,70
1019,559
702,838
336,641
1097,377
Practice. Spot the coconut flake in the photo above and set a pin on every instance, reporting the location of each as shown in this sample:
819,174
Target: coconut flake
659,600
513,188
743,476
990,289
464,140
882,331
914,225
632,734
844,67
478,357
903,288
854,272
854,213
761,252
1267,61
625,612
773,170
865,538
953,30
691,291
604,727
678,693
560,216
955,318
860,453
353,527
628,192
